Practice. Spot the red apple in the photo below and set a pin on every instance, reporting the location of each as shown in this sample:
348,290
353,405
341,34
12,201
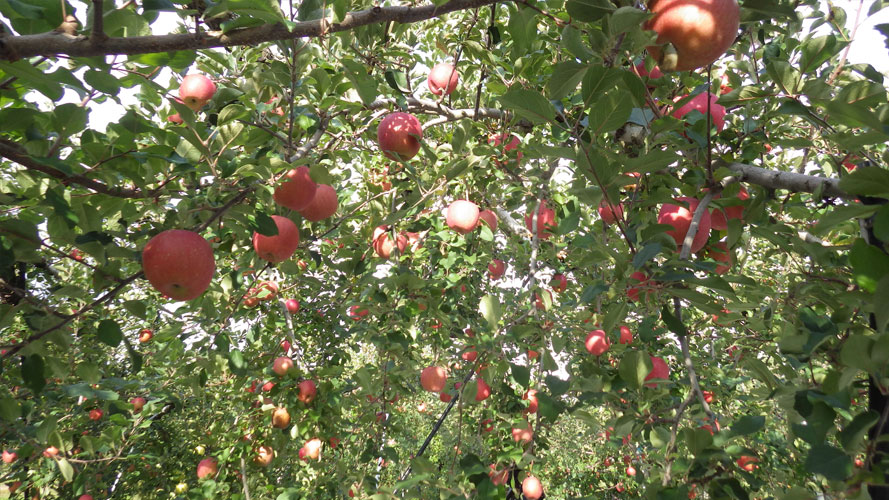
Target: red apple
145,335
487,425
9,456
268,386
469,356
719,219
496,269
597,342
138,402
608,215
678,216
559,283
85,497
282,365
334,442
626,336
313,448
498,477
531,488
659,371
96,414
444,397
640,70
433,378
700,30
539,302
631,471
323,205
292,306
720,253
280,418
462,216
489,218
297,189
383,243
196,90
643,283
483,391
264,456
443,79
207,467
699,103
399,136
546,221
51,452
523,434
175,119
513,144
266,290
307,391
280,247
531,396
708,396
747,463
357,312
178,264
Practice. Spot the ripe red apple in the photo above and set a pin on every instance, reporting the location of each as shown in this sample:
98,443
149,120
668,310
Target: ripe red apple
699,103
489,218
9,456
644,284
85,497
747,463
313,448
523,434
597,342
469,356
138,402
608,215
292,306
433,378
443,79
264,456
487,425
383,244
546,221
700,31
357,312
445,397
280,418
145,335
640,70
196,90
720,253
178,264
678,216
631,471
498,477
626,336
399,136
266,290
483,391
462,216
280,247
307,391
531,396
659,371
268,386
619,487
496,269
50,452
96,414
719,219
334,442
175,119
531,488
282,365
297,189
708,396
302,454
513,144
323,205
539,302
559,283
207,467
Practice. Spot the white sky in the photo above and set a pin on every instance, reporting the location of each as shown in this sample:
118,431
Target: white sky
868,47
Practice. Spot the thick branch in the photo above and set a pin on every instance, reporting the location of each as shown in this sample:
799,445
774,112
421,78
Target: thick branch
447,114
797,183
55,44
9,151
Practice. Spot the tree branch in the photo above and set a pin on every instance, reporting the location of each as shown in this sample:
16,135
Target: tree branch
56,44
428,106
97,33
798,183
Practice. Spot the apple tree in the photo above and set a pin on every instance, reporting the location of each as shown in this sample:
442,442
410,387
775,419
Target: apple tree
458,249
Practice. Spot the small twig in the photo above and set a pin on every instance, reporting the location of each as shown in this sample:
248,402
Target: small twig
693,227
244,479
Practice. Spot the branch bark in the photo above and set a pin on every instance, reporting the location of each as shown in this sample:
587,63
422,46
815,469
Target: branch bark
57,44
791,181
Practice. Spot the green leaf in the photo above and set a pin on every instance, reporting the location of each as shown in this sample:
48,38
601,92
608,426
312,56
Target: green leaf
529,105
34,78
673,323
853,433
361,79
760,371
634,367
565,78
870,181
830,462
785,75
842,214
748,424
263,224
881,304
109,332
103,81
610,112
626,18
557,386
869,265
855,114
881,224
489,307
66,469
9,409
647,253
521,374
817,51
397,80
32,372
589,10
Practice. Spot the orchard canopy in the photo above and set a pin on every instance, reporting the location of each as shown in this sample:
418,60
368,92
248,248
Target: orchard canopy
462,249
